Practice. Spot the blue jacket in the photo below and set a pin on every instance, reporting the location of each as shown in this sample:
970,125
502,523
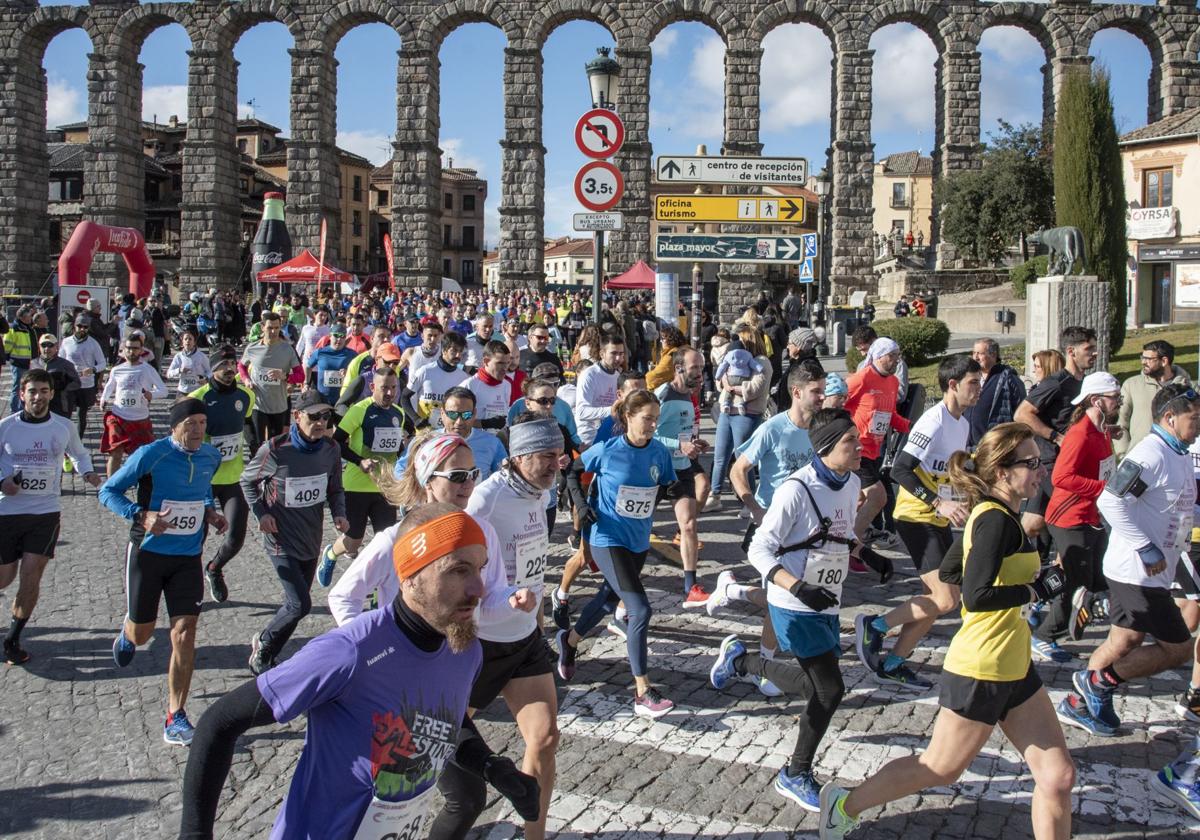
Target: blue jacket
176,476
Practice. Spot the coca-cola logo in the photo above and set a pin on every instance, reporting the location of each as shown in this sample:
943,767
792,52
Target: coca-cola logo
120,238
295,269
269,258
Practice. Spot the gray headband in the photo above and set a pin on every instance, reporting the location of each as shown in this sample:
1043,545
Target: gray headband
534,436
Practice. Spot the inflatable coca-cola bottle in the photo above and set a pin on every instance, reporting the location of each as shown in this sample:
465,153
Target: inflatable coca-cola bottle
272,245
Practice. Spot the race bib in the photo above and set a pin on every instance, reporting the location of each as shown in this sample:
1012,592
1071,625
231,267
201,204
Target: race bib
880,422
131,399
37,481
333,378
395,820
386,440
531,560
183,518
230,446
262,376
1107,467
188,382
304,491
636,502
827,568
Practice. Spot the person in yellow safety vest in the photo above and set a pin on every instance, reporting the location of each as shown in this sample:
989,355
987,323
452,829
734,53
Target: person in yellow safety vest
20,345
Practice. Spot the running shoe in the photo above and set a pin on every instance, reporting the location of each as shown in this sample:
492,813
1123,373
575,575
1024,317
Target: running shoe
718,600
566,656
696,598
619,627
573,540
652,704
260,659
1081,613
803,789
178,729
1044,651
883,539
123,650
765,687
835,823
1099,699
857,566
1172,787
1035,615
868,641
723,669
901,677
1100,608
325,570
217,590
14,654
744,513
1074,712
1187,708
712,503
560,610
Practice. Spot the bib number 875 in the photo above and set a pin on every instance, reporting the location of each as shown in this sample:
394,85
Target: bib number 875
637,507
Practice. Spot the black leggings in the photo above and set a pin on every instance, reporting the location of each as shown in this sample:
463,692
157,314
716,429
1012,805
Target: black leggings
267,426
466,797
817,679
296,576
1082,550
233,505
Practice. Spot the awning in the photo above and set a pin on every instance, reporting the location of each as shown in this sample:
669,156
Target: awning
304,268
640,276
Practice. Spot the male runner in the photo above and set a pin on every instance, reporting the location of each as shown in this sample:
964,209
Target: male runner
427,387
538,352
228,408
163,558
427,352
267,367
386,699
64,378
130,387
477,342
83,351
329,364
597,387
926,509
493,393
32,445
372,433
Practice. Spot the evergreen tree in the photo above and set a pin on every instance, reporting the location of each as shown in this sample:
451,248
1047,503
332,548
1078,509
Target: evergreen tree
1089,188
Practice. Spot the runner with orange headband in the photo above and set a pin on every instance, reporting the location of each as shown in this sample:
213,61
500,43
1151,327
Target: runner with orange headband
378,737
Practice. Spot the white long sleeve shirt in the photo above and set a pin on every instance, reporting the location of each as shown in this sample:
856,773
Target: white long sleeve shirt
189,369
310,334
791,519
1162,515
373,571
36,450
596,391
123,392
84,354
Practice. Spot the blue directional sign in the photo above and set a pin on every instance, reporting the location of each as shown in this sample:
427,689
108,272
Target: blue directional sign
810,244
728,248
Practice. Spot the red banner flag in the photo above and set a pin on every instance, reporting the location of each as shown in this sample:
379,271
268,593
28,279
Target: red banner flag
391,262
321,258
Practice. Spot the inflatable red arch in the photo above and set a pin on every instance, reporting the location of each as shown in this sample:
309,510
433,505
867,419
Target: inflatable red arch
89,237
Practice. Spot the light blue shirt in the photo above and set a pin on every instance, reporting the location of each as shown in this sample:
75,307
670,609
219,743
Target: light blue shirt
777,448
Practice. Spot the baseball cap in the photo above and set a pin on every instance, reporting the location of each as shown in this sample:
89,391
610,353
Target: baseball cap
1100,382
337,329
48,338
311,402
547,370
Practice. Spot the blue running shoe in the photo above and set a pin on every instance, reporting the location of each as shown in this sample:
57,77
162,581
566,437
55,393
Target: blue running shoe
1178,791
1035,616
1074,712
867,641
1099,699
178,729
1044,651
901,677
723,669
123,650
325,570
803,789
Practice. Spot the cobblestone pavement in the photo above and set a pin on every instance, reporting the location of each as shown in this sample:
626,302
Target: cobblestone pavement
84,755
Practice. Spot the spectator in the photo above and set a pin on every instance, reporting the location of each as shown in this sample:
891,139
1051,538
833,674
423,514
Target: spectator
1002,391
793,307
901,309
1137,392
670,339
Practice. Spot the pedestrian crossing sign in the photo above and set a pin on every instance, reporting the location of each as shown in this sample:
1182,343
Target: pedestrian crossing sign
806,270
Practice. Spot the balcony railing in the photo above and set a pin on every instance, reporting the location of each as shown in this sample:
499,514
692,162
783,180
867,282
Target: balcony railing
900,202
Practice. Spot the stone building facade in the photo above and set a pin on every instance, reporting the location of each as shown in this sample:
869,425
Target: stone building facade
117,29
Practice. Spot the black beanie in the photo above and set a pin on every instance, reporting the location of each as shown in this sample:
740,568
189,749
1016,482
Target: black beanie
184,409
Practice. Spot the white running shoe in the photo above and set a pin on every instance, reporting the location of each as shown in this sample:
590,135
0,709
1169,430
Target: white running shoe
718,600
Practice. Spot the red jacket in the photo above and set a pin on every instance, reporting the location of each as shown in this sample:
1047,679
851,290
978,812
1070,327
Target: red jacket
872,404
1077,476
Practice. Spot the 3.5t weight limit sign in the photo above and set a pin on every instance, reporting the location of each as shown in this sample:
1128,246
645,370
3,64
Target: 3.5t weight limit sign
599,186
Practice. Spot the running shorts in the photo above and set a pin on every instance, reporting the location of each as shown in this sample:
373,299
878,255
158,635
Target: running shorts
179,579
805,634
869,473
1187,577
361,507
505,661
127,435
986,701
926,544
28,533
683,488
1147,609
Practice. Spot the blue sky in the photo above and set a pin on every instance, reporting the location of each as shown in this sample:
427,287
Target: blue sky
687,82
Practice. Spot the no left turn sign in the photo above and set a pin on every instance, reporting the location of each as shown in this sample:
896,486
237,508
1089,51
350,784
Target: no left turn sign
599,133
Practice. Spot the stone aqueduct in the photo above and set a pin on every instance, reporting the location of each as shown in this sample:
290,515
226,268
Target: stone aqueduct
210,210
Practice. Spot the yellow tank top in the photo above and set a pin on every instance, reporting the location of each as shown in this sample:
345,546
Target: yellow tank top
994,645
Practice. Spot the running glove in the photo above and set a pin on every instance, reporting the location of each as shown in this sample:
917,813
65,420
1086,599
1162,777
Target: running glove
1049,583
879,562
816,598
518,788
1150,555
587,515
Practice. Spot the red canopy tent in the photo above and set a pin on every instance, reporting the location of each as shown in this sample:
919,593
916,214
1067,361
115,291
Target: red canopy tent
640,276
303,268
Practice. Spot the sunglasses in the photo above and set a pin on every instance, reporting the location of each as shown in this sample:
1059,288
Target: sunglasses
320,416
458,415
542,401
1029,463
458,476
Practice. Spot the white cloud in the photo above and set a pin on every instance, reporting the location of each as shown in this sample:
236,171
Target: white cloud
455,148
374,146
161,102
1013,45
693,109
902,94
64,103
1011,86
796,81
560,206
708,65
664,42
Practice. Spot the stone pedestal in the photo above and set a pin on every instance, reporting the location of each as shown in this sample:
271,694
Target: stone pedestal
1055,303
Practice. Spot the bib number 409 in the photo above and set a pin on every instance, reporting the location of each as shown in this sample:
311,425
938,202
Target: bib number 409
307,496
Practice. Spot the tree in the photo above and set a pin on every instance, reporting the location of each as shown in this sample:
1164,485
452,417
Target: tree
984,211
1089,186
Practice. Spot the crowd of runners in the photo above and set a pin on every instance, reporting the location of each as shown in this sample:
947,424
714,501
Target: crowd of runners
460,429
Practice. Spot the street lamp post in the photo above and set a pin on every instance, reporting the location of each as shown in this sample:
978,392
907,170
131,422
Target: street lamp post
821,185
602,74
